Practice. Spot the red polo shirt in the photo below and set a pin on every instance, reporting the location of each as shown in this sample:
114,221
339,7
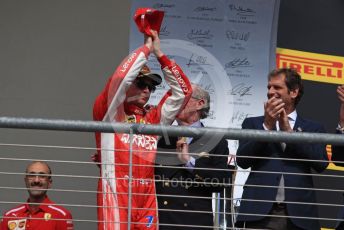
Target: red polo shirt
49,216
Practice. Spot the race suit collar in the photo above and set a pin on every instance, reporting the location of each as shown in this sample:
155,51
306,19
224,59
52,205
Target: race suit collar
133,109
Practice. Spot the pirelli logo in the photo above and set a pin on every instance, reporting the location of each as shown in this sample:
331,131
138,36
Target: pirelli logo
312,66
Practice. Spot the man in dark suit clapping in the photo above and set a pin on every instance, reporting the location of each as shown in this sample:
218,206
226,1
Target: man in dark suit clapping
337,150
277,186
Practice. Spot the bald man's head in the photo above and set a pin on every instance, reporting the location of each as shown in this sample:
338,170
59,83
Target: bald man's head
38,179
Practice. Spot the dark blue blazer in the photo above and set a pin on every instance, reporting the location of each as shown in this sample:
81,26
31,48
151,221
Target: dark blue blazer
274,150
338,155
191,202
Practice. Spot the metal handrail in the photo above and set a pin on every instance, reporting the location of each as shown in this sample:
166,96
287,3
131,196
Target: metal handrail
111,127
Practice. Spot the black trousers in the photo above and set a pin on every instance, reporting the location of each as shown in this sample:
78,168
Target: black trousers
273,223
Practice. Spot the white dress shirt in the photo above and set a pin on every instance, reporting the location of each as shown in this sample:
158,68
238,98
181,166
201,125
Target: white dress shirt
280,196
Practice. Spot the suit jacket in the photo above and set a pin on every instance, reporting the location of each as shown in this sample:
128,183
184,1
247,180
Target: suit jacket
192,196
274,150
340,215
338,155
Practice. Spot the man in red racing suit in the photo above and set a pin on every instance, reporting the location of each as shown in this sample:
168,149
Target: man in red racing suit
123,100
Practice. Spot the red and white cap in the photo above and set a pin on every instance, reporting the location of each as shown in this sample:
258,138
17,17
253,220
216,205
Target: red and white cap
147,19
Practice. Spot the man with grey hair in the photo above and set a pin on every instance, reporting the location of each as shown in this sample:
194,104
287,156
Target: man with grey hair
39,212
203,98
187,186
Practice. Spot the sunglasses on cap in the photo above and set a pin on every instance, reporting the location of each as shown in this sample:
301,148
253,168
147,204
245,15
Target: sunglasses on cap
142,84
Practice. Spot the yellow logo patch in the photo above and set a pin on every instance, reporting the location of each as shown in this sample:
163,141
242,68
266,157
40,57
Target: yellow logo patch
47,216
131,119
12,225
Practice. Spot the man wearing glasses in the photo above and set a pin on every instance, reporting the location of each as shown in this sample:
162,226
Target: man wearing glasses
124,100
200,170
39,213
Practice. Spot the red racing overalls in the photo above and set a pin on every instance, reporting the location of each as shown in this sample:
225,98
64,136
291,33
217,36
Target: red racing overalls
113,148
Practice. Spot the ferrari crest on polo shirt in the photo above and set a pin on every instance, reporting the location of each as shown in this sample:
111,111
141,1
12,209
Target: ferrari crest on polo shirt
47,216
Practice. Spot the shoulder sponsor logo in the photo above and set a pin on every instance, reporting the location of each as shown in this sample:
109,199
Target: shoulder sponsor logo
130,119
312,66
180,79
128,62
21,224
17,224
12,224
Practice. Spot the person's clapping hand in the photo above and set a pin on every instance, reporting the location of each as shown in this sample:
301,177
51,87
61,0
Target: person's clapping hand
284,122
272,110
